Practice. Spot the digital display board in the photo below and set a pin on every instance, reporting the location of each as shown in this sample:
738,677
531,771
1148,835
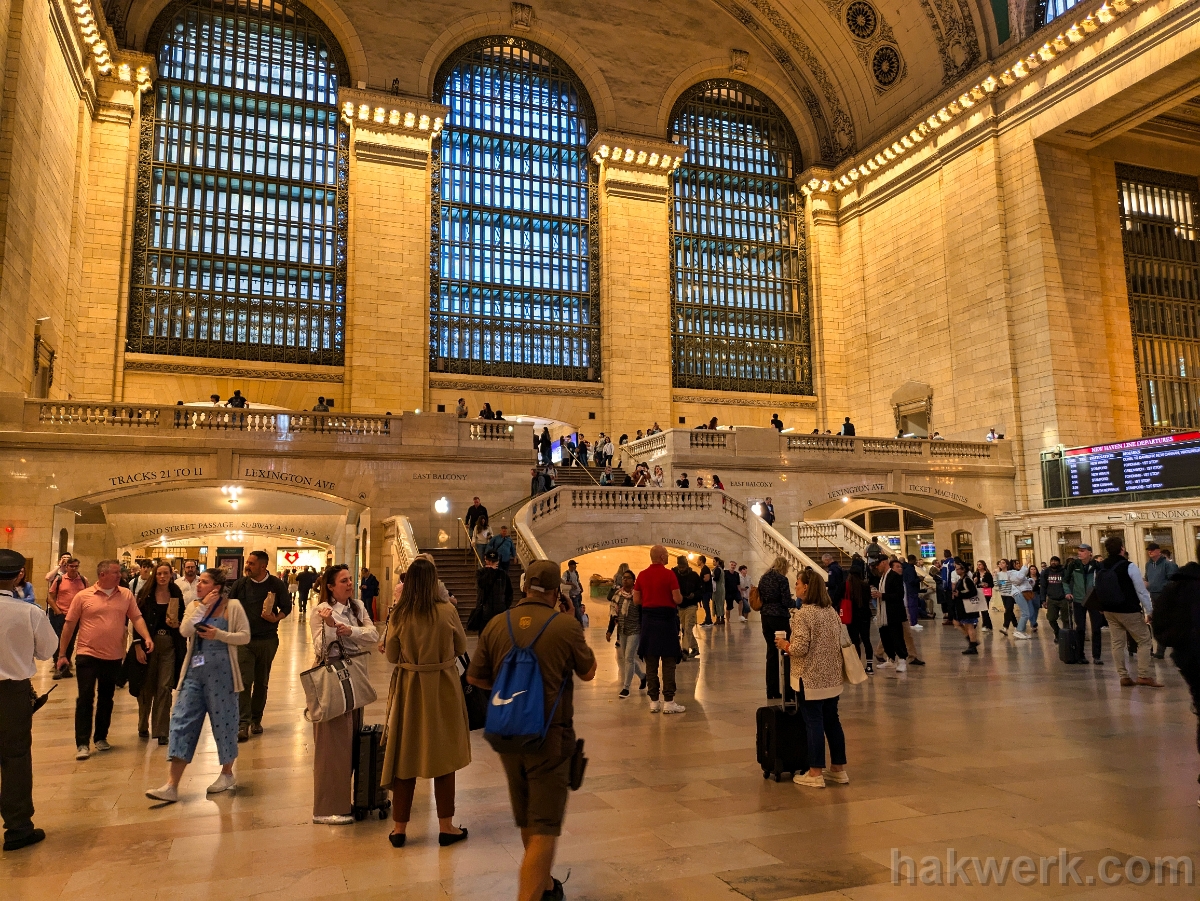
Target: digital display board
1146,464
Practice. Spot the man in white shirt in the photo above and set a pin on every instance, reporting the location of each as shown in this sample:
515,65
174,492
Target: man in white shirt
26,636
187,582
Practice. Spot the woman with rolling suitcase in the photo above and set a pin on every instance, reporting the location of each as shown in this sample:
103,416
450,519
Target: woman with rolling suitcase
427,731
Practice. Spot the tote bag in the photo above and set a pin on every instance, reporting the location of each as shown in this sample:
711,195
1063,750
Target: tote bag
852,668
336,686
975,604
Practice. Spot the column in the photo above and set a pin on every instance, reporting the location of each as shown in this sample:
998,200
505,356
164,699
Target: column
387,304
827,320
635,278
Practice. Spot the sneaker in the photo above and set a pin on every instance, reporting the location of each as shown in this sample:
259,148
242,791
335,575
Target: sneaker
224,782
642,684
655,706
870,668
56,676
1004,630
985,628
841,777
556,893
741,619
884,664
916,661
971,651
256,728
707,626
1018,634
918,628
810,781
102,745
1097,662
143,733
623,693
672,707
168,793
82,752
341,820
1149,682
31,838
243,733
901,666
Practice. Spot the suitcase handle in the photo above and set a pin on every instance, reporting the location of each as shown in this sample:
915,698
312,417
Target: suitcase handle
785,684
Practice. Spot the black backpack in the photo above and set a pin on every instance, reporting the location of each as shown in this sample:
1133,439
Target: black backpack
1108,593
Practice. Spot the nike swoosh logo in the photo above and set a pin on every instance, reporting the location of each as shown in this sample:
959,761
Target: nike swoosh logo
499,702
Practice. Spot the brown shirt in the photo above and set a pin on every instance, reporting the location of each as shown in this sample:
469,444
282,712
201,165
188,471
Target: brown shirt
560,651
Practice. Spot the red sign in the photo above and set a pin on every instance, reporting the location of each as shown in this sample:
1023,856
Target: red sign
291,556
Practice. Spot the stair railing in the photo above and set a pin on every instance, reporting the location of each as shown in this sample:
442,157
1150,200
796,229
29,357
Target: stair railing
470,543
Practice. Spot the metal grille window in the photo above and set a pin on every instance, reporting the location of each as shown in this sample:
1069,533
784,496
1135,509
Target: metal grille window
740,304
1162,273
240,238
1049,10
514,285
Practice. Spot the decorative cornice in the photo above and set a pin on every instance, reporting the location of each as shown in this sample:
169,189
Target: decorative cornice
394,113
781,402
988,89
610,149
116,113
388,155
634,190
215,367
496,386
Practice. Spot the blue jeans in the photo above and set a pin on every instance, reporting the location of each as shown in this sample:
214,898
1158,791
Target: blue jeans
1028,612
821,722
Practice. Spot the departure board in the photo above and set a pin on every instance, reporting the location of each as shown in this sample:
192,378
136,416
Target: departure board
1146,464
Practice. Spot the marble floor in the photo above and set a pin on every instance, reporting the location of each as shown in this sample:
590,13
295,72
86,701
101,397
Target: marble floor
1004,755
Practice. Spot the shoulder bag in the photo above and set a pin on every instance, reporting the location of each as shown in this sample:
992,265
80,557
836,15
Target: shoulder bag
755,600
336,686
852,668
477,698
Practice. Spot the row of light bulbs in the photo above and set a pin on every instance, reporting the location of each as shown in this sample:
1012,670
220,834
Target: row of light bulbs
1075,34
89,28
638,157
394,118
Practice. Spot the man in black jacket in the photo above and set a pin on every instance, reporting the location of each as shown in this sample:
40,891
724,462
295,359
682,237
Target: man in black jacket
493,592
475,512
690,587
1177,626
304,584
888,590
836,583
266,601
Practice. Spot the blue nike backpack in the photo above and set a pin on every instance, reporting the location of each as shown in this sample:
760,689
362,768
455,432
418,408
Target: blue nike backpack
516,718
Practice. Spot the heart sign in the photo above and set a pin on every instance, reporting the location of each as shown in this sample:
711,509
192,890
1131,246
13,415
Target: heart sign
291,556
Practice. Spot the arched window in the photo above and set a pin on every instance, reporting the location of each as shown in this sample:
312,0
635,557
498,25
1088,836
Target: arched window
1049,10
514,282
240,238
740,315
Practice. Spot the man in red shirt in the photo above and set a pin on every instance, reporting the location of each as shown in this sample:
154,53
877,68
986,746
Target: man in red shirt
99,613
63,588
657,591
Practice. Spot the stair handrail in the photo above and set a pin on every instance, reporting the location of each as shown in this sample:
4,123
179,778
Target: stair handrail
471,542
843,533
587,469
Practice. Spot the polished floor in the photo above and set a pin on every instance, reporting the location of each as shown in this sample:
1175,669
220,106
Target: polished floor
1007,754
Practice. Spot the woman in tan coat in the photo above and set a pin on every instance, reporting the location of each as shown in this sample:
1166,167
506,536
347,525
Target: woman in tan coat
427,733
816,650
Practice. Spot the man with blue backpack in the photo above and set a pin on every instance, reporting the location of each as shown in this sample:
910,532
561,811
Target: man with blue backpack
528,658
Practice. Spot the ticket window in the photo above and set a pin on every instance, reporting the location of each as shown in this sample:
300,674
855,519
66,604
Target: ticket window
964,548
1068,545
1024,550
1164,537
1103,535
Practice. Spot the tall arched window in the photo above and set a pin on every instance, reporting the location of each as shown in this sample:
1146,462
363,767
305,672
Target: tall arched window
514,284
1049,10
740,314
240,238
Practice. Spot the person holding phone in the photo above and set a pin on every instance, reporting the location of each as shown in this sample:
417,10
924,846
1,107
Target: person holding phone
209,684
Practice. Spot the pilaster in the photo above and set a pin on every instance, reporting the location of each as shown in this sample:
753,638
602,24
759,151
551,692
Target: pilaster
635,273
387,305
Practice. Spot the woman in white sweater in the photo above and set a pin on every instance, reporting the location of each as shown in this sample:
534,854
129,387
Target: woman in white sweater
209,684
816,651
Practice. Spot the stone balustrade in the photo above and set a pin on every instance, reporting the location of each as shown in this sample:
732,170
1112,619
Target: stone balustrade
839,533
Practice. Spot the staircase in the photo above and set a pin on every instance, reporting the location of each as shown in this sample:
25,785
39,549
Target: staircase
456,568
577,477
839,537
816,550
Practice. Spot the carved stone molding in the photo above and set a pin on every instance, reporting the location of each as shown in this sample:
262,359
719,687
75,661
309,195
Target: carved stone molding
215,367
522,16
117,113
634,190
738,61
789,403
636,153
388,155
500,386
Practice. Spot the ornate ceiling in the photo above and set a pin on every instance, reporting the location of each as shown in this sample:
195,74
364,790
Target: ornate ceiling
844,71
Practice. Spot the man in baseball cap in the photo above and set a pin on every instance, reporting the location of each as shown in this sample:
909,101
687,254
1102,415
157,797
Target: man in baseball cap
26,636
539,779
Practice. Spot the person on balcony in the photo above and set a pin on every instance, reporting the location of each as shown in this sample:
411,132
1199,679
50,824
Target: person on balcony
486,412
544,446
776,422
847,429
768,512
657,479
237,401
606,477
461,410
683,481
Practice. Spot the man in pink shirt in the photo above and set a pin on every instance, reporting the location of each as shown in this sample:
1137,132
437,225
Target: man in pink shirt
63,588
99,613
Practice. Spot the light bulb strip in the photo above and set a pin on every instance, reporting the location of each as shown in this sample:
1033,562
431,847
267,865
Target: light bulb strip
1069,38
635,153
393,113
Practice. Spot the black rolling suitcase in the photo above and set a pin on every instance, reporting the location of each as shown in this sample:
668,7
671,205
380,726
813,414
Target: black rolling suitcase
1070,640
782,741
368,765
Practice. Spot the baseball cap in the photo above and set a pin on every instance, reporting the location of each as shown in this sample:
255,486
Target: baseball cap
11,563
1085,547
543,575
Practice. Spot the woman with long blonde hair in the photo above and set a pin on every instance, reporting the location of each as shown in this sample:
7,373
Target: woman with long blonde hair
427,732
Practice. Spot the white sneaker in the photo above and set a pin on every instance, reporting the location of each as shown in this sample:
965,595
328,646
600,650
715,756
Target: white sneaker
841,777
1004,630
82,752
918,628
985,629
655,706
901,666
672,707
1017,633
884,665
341,820
168,793
741,619
810,781
224,782
102,745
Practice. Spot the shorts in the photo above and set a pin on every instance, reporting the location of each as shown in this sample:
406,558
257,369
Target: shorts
538,782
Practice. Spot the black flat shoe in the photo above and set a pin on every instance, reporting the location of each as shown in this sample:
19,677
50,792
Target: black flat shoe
446,838
397,839
16,844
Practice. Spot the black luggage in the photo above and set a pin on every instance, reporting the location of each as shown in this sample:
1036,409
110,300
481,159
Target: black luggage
1070,640
368,766
782,742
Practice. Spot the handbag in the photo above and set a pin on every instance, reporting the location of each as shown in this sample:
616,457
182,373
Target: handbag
847,612
336,686
1027,594
977,603
755,600
852,668
476,698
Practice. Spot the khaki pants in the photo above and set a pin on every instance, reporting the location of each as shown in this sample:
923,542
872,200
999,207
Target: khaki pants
1122,626
155,698
333,752
687,623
